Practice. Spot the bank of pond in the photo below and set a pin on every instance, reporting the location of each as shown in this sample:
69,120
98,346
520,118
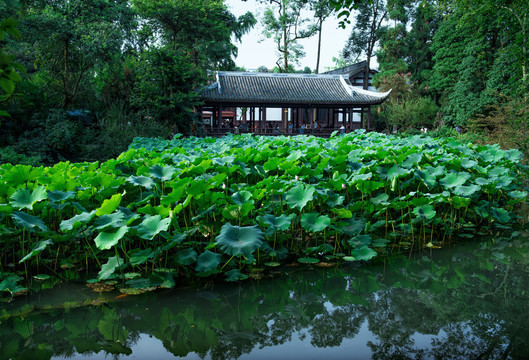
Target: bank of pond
167,212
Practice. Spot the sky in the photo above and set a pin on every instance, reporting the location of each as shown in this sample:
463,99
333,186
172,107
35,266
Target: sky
255,50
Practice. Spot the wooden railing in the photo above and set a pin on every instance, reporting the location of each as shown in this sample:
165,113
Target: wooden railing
272,132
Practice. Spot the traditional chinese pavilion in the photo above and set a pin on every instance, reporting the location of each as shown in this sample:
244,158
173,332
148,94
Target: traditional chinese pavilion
272,103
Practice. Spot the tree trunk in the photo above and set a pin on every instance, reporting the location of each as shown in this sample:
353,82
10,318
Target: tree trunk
319,46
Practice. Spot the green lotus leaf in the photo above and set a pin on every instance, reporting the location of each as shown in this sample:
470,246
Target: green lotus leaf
294,155
207,261
237,241
108,269
273,223
321,249
20,174
272,163
343,213
242,197
353,226
186,256
128,216
57,195
454,179
427,178
115,220
501,215
24,198
482,181
425,211
411,160
335,200
314,222
141,180
77,220
308,260
299,196
380,199
163,173
363,253
28,222
109,205
360,240
41,245
153,225
468,163
107,239
466,191
10,285
141,256
235,275
517,194
397,171
197,188
368,187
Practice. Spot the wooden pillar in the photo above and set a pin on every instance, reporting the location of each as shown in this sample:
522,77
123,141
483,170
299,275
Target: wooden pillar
369,118
219,117
263,120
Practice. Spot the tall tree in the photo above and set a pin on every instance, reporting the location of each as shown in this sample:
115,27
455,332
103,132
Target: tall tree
366,33
285,23
70,38
322,10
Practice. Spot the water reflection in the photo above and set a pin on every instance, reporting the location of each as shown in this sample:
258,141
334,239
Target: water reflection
467,302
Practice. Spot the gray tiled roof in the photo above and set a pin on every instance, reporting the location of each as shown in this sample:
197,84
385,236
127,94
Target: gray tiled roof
268,88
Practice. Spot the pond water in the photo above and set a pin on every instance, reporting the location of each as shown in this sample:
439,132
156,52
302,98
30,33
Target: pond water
470,301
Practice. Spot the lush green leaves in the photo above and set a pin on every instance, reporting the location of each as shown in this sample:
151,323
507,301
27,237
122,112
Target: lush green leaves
237,241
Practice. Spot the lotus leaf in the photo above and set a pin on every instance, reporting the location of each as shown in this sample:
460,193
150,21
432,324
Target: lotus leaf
115,220
237,241
425,211
363,253
186,256
108,269
141,256
207,261
24,198
109,205
29,221
235,275
57,196
141,180
107,239
454,179
314,222
162,173
77,220
299,196
153,225
41,245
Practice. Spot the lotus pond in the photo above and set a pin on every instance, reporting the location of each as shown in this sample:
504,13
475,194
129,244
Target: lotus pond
166,212
469,301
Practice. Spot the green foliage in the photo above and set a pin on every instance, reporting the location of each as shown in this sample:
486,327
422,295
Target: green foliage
203,206
286,24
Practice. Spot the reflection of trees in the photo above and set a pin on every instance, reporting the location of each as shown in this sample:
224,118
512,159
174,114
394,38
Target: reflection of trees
472,304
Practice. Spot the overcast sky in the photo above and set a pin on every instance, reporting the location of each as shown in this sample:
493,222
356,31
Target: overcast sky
255,50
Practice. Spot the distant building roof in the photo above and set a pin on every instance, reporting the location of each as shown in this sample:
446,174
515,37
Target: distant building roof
272,88
350,70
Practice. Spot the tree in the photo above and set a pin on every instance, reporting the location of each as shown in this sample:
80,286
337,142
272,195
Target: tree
366,33
322,10
286,26
69,39
8,68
